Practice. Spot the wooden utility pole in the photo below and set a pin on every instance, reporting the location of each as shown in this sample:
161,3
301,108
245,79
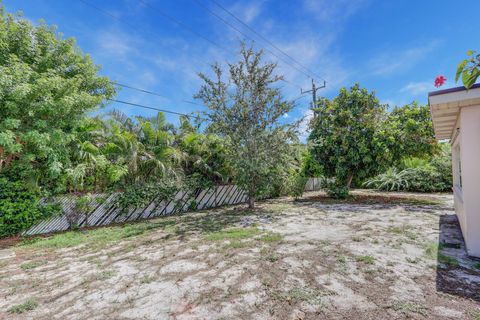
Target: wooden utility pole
314,93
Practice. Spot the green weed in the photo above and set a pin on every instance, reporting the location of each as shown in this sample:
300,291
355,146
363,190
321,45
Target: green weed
271,237
31,265
409,307
96,238
234,233
28,305
450,261
365,259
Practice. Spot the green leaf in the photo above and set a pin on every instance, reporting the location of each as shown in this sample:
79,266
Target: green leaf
469,78
470,52
460,68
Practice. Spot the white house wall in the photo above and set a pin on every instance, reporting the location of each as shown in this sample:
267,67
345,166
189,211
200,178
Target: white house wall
469,212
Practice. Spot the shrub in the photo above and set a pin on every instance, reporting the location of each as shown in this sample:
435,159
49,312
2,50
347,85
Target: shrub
20,207
425,179
297,185
336,190
391,180
421,179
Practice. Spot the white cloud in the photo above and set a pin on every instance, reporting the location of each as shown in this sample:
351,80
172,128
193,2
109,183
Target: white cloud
334,11
304,127
418,88
247,11
389,63
115,44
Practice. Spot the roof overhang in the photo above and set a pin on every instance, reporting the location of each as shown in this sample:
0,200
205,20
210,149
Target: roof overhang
445,107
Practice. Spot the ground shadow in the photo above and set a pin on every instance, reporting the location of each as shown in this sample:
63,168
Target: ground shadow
457,273
220,219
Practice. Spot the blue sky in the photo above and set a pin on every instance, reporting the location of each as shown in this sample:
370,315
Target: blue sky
396,48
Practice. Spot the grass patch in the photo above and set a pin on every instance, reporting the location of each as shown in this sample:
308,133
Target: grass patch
300,294
477,266
409,307
232,234
404,230
476,315
28,305
147,279
431,250
96,238
449,261
271,237
365,259
31,265
237,244
272,257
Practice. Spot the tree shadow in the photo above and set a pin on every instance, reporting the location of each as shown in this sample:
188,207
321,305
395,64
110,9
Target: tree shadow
219,219
457,273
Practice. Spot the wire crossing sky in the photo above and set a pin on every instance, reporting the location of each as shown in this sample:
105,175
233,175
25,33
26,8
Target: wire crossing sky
396,48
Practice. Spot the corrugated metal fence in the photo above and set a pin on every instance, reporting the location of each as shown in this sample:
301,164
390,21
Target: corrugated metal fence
104,211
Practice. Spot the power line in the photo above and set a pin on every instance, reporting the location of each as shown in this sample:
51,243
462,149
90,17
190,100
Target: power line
157,109
264,38
138,89
183,25
150,92
247,36
298,98
140,30
159,36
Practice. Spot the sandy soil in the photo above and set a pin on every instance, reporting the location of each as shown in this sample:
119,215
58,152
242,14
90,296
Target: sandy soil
372,257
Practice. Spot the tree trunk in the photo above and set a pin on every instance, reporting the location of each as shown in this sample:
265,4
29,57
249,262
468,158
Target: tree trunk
349,180
251,202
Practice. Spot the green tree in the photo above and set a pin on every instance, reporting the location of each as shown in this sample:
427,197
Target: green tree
246,110
348,137
46,86
412,130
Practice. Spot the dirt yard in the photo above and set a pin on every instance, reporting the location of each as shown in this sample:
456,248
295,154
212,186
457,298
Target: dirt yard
375,256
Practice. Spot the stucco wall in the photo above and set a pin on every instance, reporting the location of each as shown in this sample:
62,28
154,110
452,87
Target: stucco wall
470,167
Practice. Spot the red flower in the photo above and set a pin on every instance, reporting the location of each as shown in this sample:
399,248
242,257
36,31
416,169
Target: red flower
439,81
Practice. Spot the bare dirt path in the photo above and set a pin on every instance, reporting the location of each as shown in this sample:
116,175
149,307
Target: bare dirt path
376,256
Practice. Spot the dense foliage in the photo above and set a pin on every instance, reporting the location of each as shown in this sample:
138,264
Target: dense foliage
469,69
354,138
50,144
346,137
46,86
20,207
409,131
416,174
245,110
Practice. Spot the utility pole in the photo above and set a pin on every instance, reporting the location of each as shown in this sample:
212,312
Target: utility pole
314,93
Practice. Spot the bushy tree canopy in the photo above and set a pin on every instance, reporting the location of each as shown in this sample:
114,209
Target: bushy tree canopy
412,129
46,86
353,136
245,109
347,137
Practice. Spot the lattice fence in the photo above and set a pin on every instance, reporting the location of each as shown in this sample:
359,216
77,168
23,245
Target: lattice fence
104,210
313,184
